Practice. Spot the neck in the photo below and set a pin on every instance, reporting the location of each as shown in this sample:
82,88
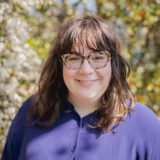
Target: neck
84,106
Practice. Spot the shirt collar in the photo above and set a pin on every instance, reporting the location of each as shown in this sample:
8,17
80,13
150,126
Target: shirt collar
69,108
89,119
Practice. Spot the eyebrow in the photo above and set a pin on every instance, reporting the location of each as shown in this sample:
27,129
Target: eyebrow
75,52
78,53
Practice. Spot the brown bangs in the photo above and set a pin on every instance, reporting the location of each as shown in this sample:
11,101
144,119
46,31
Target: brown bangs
88,33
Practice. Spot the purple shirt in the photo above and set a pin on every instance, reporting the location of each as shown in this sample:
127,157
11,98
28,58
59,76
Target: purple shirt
70,138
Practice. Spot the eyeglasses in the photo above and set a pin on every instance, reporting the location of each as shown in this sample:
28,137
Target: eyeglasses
97,60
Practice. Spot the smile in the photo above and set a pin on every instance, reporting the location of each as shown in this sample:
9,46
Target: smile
86,83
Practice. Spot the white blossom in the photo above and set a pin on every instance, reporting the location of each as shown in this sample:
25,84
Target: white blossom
18,62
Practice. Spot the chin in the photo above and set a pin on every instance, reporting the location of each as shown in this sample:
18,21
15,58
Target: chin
91,96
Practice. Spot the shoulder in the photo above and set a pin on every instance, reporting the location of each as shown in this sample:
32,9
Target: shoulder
16,132
20,119
148,128
28,103
143,120
145,114
19,122
21,115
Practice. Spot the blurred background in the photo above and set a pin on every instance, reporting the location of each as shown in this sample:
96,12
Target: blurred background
27,28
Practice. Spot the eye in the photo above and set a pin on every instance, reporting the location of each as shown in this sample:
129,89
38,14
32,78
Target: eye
97,57
73,58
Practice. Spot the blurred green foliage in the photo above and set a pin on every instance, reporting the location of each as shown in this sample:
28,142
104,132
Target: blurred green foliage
39,45
142,21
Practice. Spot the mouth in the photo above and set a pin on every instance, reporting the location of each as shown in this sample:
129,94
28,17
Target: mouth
86,83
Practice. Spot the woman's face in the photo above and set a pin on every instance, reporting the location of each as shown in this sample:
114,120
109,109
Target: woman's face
86,83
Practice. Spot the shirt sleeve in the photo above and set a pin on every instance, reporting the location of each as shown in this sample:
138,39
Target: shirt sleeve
15,135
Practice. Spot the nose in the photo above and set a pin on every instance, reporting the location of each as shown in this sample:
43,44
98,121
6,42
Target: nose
86,68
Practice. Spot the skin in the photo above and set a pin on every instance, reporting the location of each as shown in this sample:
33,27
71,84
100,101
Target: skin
86,85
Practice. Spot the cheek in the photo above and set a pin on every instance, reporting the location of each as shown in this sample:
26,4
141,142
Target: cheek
68,75
105,73
109,72
105,76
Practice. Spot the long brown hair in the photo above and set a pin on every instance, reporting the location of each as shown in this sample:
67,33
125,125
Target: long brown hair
117,102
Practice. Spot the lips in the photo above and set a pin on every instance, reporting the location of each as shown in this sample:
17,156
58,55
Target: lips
86,83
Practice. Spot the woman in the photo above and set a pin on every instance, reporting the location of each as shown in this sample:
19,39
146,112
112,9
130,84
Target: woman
84,108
